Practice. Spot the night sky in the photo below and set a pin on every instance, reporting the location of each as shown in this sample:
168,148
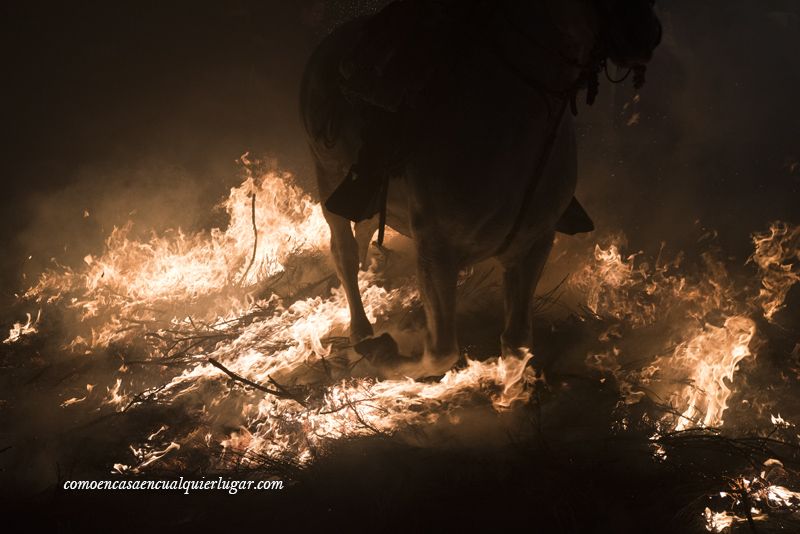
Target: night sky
112,107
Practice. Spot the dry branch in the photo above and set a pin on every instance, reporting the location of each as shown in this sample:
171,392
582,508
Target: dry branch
255,239
281,392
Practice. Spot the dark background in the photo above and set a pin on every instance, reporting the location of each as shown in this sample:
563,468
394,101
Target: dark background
139,109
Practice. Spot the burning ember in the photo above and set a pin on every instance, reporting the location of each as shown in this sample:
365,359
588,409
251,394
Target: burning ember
248,336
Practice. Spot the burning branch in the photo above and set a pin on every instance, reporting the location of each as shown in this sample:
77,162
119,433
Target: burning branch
280,392
255,238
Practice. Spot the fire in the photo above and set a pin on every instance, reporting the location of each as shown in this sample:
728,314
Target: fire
777,255
20,330
205,275
365,407
226,296
711,359
718,521
76,400
710,324
758,495
708,319
250,338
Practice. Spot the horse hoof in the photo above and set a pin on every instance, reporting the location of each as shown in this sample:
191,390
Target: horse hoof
384,355
359,334
382,352
419,368
436,366
378,350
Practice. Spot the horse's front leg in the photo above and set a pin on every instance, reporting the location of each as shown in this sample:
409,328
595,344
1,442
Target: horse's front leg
520,278
344,249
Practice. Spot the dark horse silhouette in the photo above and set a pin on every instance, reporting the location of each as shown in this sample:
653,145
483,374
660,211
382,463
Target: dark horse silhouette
485,159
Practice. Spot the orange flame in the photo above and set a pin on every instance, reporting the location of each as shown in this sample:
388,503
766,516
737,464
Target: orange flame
777,255
694,377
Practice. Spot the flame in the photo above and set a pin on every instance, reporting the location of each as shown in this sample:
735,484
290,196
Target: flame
718,521
777,255
146,456
202,274
20,330
711,359
365,407
76,400
115,397
779,421
709,327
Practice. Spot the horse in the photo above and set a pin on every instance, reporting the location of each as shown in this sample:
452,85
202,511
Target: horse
493,165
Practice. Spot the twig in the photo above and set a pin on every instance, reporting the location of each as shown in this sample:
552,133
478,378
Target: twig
282,389
255,240
325,367
283,393
360,419
142,397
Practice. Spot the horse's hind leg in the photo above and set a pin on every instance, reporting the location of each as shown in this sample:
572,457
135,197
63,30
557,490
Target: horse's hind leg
519,280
